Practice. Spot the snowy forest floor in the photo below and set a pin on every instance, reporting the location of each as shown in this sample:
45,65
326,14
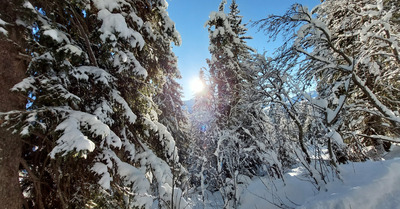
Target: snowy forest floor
371,184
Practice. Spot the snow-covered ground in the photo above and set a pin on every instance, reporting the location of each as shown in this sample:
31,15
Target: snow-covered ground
363,185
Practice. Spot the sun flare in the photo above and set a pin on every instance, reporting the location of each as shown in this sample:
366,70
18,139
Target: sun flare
196,85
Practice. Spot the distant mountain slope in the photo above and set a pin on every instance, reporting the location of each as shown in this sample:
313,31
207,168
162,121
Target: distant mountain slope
188,105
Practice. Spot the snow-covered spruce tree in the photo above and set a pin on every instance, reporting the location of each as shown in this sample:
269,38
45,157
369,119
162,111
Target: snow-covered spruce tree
350,49
228,48
91,131
242,146
170,104
168,91
202,160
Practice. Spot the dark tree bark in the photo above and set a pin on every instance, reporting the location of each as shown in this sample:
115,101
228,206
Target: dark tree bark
12,71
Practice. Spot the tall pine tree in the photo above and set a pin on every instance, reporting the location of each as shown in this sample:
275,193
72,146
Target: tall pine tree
91,130
238,132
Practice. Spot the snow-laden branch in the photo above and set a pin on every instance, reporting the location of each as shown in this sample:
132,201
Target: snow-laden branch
380,137
375,101
318,25
74,139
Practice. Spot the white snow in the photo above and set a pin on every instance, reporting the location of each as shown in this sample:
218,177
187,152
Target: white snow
371,184
365,185
115,23
99,75
136,19
165,137
25,85
30,120
69,48
28,5
128,111
73,139
56,35
103,112
125,60
385,110
382,137
129,146
160,172
332,114
101,169
166,140
2,30
108,4
133,178
323,103
169,25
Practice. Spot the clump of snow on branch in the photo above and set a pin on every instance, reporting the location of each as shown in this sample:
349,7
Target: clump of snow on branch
3,30
114,24
72,138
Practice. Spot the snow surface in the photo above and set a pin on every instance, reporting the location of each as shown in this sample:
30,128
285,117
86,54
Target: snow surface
371,184
364,185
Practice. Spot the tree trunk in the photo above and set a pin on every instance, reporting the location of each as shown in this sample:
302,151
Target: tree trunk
12,71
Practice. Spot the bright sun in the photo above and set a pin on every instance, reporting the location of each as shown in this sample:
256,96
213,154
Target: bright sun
196,85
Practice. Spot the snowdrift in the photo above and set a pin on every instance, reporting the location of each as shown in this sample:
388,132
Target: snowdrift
362,185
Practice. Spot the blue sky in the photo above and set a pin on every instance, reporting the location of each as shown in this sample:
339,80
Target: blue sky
189,17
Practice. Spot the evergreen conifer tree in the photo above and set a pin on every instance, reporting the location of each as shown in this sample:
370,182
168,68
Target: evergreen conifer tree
238,133
203,145
91,130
